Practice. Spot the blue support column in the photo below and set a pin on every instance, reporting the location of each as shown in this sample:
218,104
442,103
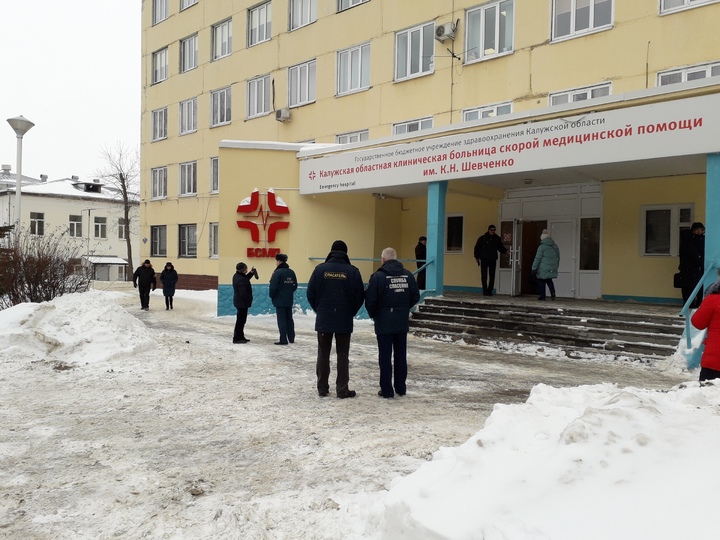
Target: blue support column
712,215
435,274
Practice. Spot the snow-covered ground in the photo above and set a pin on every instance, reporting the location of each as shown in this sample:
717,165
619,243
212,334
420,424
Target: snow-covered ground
119,423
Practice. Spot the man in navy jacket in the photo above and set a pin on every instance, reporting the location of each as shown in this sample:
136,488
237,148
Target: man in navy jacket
283,284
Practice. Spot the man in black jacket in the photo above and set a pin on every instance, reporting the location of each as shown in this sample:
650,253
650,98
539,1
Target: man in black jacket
283,284
335,292
486,255
143,281
242,299
692,261
391,293
421,256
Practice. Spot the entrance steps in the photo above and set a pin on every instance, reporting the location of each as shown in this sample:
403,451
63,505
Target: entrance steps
573,325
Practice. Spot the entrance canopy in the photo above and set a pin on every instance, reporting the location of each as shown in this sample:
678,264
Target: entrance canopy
104,259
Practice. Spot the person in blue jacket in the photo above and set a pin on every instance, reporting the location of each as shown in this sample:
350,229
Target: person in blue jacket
546,264
390,295
336,293
283,284
168,278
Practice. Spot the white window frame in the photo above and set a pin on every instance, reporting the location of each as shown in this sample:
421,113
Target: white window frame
214,174
188,178
302,13
214,230
184,4
187,240
122,229
301,84
75,225
446,247
412,126
353,69
158,240
221,39
676,225
159,124
684,4
579,94
689,73
592,25
160,11
158,182
343,5
258,96
220,107
353,137
406,54
487,111
100,227
160,65
37,223
188,116
188,53
476,25
259,24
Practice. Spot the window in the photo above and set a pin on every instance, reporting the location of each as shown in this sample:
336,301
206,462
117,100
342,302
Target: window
590,243
188,53
688,74
122,273
184,4
220,103
353,69
160,11
158,183
75,229
100,227
188,116
158,241
214,230
188,178
573,17
661,226
414,50
580,94
159,124
302,84
37,223
454,234
489,31
259,24
160,65
413,125
355,136
347,4
672,5
214,175
488,111
188,241
258,96
122,229
222,39
302,12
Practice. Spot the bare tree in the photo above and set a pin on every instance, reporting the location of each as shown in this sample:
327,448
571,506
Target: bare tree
122,173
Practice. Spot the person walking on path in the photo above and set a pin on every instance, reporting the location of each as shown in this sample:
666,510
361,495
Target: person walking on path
692,261
546,264
390,295
283,284
335,292
168,278
242,299
486,255
421,256
144,280
707,317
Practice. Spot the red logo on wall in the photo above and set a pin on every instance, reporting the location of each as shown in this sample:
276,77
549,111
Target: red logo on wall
256,216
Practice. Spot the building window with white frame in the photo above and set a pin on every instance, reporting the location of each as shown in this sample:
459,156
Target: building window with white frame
302,84
302,13
159,124
347,4
75,226
188,116
414,51
184,4
188,53
259,24
222,39
160,10
489,31
187,240
674,5
122,272
122,229
214,174
100,227
661,227
214,240
454,224
353,69
412,126
353,137
160,65
488,111
692,73
37,223
576,17
188,178
158,241
258,96
158,181
220,102
579,94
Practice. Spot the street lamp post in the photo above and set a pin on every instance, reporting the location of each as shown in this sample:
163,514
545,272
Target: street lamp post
21,126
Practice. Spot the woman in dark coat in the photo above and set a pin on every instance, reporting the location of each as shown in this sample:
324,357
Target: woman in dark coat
168,278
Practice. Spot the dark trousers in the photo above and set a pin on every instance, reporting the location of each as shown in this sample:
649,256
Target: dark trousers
240,324
487,275
707,374
286,325
541,287
168,302
387,345
421,280
687,291
144,291
342,349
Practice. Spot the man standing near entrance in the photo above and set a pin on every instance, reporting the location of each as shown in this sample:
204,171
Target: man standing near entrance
486,255
421,256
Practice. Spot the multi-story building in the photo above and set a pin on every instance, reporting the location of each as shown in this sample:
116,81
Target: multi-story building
592,118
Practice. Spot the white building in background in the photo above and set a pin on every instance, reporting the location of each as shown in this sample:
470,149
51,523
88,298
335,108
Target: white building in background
90,212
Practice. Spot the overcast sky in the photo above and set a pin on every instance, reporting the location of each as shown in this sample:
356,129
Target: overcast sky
74,70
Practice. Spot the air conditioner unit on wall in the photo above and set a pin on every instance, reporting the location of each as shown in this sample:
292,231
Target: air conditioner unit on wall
282,115
445,31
